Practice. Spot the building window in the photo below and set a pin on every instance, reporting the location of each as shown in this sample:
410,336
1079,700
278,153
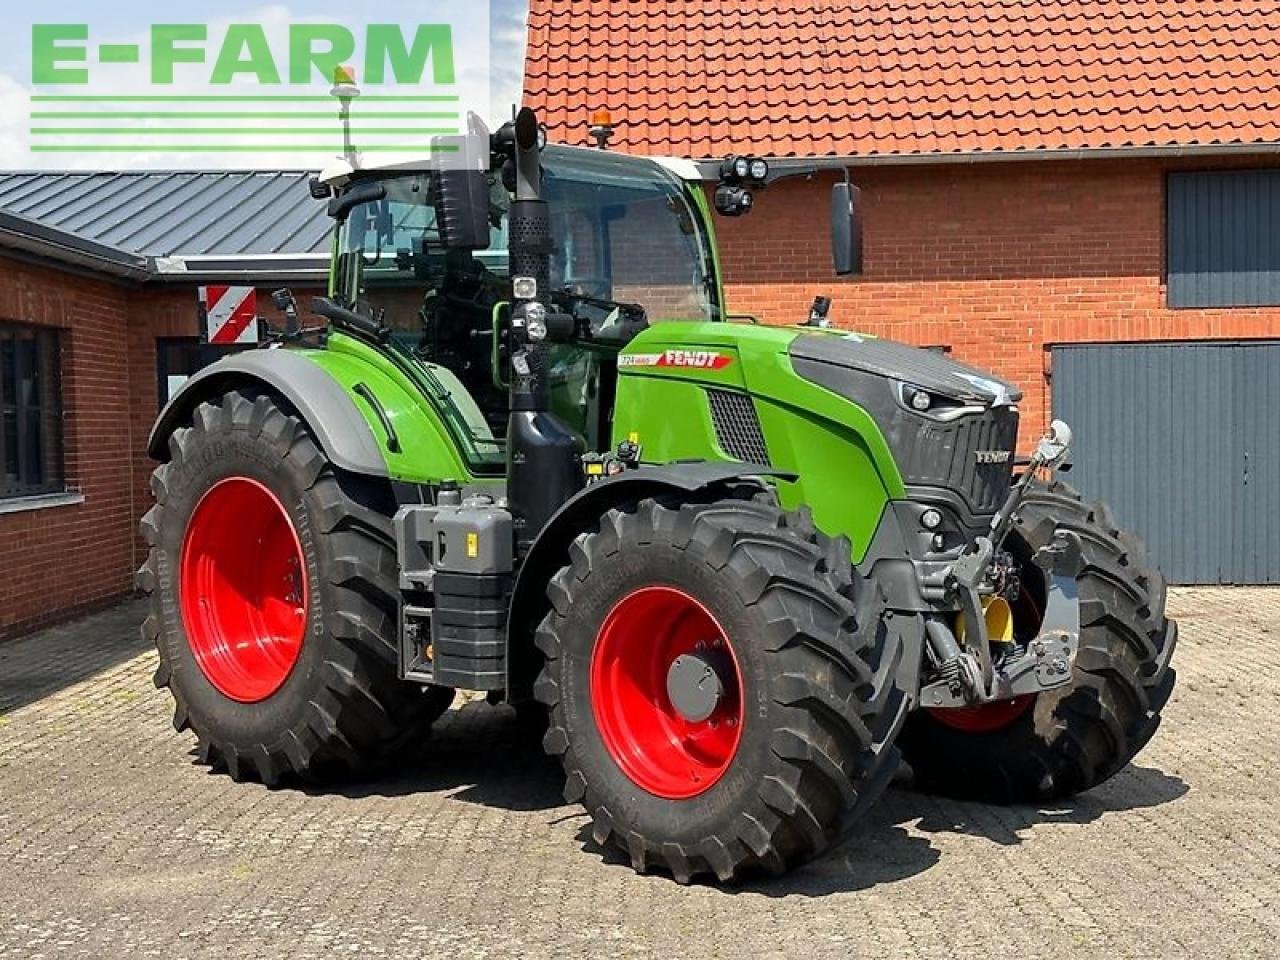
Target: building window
30,411
1223,238
180,358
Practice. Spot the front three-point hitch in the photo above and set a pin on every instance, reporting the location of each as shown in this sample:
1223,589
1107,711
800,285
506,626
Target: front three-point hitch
968,674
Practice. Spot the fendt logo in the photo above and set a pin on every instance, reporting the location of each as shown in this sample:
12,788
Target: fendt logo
988,457
689,359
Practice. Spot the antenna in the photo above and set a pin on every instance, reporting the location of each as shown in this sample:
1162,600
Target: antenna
345,89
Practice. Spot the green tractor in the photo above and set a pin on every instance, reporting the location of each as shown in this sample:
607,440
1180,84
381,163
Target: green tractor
738,571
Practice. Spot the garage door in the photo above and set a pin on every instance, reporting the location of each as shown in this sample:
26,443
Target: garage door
1183,440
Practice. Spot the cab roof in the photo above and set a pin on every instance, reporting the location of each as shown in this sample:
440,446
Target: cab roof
341,169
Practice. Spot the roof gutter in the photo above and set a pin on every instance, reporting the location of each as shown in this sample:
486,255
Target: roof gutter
50,243
249,270
710,168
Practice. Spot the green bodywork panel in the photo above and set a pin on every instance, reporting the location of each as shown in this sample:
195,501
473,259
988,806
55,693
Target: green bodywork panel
698,197
846,471
430,450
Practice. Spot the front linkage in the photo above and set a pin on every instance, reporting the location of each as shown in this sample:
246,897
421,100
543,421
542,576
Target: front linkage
968,675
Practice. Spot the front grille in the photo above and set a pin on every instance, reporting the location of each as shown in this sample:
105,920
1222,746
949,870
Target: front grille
737,427
946,455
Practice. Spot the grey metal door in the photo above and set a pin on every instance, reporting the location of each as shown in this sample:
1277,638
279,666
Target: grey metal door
1182,439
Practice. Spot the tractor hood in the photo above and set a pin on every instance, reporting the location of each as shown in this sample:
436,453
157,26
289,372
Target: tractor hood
952,429
912,366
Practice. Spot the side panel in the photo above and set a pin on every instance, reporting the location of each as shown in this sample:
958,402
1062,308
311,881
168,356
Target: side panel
839,480
328,409
322,386
428,451
846,471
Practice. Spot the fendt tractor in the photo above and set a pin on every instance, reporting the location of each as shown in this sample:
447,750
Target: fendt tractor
736,570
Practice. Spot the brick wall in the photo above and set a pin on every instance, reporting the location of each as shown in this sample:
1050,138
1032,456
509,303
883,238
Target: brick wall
995,261
61,560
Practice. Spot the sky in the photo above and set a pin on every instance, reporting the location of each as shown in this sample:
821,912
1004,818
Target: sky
490,63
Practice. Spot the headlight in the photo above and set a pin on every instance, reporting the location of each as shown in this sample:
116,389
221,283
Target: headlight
741,168
759,169
535,321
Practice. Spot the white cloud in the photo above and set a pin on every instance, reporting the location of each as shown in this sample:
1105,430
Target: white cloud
509,31
14,103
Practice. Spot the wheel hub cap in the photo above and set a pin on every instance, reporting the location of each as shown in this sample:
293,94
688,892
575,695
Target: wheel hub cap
243,589
694,687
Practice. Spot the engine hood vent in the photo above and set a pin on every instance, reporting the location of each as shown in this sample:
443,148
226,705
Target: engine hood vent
898,361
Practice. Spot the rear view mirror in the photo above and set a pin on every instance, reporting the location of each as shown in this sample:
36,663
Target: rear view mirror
846,229
462,209
462,188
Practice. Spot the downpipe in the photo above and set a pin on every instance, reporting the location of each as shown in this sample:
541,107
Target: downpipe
968,676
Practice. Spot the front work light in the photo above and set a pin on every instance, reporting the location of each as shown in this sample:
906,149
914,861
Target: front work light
535,321
733,201
736,170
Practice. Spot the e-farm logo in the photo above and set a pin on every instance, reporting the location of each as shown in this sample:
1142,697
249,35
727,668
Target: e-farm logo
190,88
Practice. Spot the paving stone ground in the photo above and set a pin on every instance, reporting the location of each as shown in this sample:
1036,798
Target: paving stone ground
114,844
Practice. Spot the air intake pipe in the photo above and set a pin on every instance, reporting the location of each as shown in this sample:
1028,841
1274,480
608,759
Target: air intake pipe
543,453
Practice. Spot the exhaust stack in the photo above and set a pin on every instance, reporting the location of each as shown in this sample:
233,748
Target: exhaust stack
543,469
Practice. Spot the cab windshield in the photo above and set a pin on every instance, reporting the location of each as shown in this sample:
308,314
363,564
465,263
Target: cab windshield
631,250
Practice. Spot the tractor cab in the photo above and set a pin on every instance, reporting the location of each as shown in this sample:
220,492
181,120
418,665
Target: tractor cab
632,248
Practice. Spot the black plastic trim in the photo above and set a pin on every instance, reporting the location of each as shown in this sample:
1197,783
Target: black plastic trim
368,396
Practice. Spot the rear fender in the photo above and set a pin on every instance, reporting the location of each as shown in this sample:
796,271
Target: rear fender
551,550
322,403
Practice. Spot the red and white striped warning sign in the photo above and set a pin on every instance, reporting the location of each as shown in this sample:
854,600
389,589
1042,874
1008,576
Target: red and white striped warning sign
230,314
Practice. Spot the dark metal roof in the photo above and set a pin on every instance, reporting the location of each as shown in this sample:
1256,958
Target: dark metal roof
245,215
42,241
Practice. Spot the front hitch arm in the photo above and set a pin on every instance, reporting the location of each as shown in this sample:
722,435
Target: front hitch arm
969,674
1052,449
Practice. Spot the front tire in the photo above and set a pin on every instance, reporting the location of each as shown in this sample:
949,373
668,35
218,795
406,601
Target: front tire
271,582
1057,744
799,740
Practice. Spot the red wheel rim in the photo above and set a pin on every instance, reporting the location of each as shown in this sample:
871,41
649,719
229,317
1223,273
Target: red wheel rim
243,585
991,717
987,718
655,745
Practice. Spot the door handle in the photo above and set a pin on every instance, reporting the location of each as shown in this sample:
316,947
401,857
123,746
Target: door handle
364,393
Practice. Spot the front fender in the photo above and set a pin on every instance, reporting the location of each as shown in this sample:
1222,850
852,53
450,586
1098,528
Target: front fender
322,403
550,550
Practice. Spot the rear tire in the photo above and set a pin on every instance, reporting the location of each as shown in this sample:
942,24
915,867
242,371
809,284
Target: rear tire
336,709
816,675
1076,737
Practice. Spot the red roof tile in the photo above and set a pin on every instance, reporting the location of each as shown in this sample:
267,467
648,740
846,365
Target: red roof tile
901,77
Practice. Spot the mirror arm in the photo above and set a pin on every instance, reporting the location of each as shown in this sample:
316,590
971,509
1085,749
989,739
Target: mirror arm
808,172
